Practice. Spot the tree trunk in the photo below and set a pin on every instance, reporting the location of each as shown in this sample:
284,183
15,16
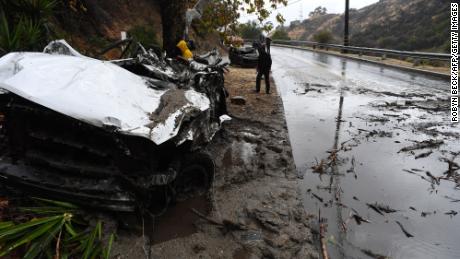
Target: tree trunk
173,23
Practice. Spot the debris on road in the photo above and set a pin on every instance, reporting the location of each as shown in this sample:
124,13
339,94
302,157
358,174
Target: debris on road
404,230
373,254
451,213
380,208
431,143
422,155
322,235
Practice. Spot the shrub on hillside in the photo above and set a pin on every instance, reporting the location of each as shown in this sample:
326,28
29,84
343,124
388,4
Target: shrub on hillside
323,37
280,34
144,34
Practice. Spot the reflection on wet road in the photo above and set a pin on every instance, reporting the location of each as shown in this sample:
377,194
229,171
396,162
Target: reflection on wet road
373,144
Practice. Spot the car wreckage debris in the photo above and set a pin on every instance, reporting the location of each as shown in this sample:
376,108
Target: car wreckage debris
244,57
143,148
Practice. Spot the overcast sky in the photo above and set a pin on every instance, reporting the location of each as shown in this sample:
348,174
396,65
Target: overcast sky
298,8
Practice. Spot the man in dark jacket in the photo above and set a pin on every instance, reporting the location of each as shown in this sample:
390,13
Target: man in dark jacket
268,41
263,69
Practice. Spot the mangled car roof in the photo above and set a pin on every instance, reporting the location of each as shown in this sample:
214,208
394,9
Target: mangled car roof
97,92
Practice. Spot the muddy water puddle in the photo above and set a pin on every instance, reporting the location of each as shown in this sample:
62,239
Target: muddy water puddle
179,220
377,154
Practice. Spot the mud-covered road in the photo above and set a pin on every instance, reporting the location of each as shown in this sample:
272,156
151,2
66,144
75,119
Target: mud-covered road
377,152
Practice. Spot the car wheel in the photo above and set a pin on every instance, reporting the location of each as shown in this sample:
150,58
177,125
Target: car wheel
195,177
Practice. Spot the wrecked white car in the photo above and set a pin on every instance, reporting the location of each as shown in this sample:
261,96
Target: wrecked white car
110,134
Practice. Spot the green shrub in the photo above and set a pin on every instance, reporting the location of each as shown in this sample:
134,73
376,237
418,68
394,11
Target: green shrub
144,34
323,37
25,35
280,34
249,30
55,230
23,24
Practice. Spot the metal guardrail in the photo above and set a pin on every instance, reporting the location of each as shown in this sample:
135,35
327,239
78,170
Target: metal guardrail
362,50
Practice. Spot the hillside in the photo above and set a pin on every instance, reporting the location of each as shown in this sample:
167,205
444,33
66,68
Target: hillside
91,26
394,24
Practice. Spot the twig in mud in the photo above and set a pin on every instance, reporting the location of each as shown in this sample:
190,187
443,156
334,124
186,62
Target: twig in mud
322,235
319,187
342,145
333,156
422,145
373,255
452,167
331,181
319,168
399,128
322,166
451,199
317,197
360,219
451,213
409,171
422,155
434,179
352,168
425,213
404,230
374,208
345,223
391,115
385,208
341,205
210,220
338,192
421,176
226,224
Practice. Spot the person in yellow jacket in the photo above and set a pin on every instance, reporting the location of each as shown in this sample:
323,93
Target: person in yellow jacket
185,51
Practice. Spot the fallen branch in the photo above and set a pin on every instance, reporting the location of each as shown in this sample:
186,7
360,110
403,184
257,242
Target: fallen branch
422,145
374,208
317,197
451,213
210,220
360,219
228,225
404,230
322,235
422,155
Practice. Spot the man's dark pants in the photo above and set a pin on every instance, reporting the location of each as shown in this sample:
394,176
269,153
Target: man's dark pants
266,75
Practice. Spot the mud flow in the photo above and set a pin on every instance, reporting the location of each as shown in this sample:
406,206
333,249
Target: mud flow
377,153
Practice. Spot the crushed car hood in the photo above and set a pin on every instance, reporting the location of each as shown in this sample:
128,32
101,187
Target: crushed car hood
99,93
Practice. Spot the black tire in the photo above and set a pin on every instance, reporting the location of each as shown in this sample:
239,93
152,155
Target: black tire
195,177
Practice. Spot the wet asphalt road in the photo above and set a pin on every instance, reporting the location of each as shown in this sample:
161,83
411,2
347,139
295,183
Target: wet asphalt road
368,114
